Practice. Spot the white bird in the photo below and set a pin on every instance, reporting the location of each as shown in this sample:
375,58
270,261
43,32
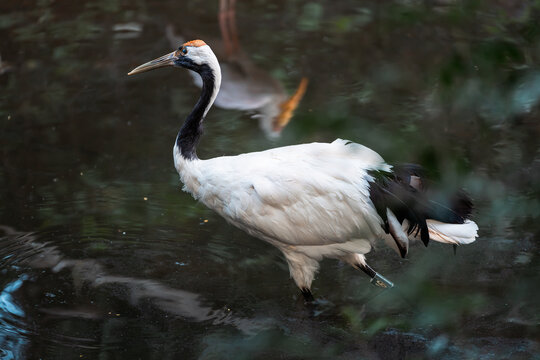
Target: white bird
314,200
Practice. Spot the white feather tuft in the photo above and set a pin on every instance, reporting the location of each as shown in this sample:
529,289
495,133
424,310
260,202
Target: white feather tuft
457,234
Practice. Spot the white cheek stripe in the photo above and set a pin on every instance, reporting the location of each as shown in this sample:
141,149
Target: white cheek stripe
204,55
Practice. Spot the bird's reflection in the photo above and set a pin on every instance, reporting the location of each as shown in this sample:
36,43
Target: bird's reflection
89,273
244,86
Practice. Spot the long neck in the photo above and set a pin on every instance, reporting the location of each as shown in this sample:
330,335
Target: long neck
190,133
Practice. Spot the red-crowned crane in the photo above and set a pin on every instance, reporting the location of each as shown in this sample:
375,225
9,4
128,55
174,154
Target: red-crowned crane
314,200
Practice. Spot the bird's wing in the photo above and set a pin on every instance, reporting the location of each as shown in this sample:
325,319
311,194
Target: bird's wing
310,194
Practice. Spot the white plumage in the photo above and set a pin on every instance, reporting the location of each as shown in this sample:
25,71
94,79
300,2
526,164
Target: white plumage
311,201
277,192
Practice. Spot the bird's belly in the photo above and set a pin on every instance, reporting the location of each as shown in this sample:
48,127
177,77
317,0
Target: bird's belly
297,225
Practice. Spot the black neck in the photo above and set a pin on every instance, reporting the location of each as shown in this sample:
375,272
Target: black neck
190,133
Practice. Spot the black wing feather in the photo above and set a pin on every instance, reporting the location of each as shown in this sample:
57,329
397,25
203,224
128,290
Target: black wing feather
405,191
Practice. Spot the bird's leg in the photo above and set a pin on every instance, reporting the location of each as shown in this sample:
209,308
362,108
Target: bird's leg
308,296
376,278
302,269
227,25
224,27
232,25
358,261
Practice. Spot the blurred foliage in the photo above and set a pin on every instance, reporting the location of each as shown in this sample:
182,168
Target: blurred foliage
87,165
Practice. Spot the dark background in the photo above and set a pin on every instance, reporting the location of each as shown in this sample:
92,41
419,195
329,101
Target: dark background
103,256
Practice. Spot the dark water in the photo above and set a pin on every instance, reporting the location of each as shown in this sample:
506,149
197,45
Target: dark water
103,256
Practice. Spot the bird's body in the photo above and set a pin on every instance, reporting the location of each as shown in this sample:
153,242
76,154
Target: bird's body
258,191
312,200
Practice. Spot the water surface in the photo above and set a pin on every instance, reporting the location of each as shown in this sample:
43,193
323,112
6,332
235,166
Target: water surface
104,256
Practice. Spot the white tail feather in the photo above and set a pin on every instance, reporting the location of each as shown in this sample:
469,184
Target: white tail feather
456,234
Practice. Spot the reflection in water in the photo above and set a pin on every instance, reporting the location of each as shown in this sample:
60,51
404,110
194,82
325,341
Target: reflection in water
12,334
244,86
127,30
25,251
7,305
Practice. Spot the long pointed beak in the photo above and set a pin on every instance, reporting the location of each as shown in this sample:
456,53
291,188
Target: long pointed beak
165,60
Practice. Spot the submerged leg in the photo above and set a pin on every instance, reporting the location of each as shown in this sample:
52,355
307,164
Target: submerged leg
308,296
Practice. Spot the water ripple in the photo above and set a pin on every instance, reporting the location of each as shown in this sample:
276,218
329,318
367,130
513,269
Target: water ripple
84,279
13,330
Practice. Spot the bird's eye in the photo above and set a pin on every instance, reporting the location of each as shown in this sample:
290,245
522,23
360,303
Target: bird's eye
183,51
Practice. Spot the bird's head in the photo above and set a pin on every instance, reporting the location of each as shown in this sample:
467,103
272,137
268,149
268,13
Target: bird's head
194,55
